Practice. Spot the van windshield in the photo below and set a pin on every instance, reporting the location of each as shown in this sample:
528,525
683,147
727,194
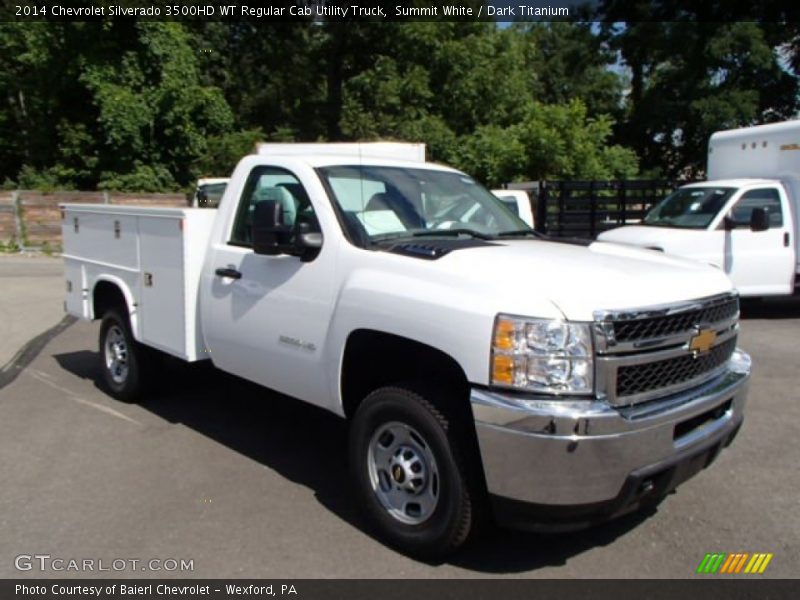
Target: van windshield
689,208
382,203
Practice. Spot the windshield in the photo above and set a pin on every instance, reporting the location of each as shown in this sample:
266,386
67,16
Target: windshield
689,208
209,194
381,203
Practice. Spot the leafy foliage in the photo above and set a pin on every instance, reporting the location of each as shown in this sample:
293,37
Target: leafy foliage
689,79
151,106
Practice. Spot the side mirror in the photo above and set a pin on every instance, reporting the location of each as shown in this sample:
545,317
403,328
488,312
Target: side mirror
307,239
270,235
759,219
728,223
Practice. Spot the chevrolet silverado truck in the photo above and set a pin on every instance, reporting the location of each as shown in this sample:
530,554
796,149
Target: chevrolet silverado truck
485,370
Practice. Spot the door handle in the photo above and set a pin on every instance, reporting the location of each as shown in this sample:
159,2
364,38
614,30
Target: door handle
786,239
228,272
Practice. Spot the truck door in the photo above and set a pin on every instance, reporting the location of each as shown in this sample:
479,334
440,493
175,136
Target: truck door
265,318
761,262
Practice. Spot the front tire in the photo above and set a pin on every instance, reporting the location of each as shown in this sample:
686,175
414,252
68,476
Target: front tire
409,474
124,362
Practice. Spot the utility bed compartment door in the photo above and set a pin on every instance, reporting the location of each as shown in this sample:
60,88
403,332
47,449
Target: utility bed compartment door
75,299
161,307
106,238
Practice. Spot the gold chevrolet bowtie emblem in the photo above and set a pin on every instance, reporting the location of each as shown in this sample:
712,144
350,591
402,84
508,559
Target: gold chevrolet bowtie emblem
702,341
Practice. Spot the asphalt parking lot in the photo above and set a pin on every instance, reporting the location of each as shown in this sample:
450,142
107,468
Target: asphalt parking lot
31,290
246,483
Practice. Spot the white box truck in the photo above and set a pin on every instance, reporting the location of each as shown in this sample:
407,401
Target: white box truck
745,219
484,369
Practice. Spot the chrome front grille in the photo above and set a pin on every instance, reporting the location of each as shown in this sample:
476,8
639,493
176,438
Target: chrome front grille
719,310
637,379
648,353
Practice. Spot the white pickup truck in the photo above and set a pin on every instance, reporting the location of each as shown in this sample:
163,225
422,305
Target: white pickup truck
744,220
484,369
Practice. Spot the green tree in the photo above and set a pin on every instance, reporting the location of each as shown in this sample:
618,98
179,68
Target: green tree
133,105
692,77
271,75
571,61
41,100
118,104
155,116
550,142
471,95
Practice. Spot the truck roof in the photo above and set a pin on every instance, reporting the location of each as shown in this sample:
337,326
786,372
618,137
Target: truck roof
325,154
737,183
315,160
391,150
330,161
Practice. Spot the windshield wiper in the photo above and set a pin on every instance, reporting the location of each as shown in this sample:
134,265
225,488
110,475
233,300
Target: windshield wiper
391,237
521,232
451,233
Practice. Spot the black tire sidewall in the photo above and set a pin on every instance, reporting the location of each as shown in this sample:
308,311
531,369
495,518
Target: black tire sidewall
442,532
128,390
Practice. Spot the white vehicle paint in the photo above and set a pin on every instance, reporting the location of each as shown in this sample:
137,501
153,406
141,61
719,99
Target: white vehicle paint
753,167
518,202
316,278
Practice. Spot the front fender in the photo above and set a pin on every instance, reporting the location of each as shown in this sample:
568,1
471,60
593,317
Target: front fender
424,311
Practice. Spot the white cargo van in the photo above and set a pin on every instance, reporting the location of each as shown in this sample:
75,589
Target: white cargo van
480,364
744,219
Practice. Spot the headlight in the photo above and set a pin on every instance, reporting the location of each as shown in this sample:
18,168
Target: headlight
542,355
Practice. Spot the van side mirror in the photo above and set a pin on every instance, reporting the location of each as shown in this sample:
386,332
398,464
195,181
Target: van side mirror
728,223
270,235
759,219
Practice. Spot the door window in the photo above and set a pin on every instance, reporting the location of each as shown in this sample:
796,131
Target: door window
278,185
766,198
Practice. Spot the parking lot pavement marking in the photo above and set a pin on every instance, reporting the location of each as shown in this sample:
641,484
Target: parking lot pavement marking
44,378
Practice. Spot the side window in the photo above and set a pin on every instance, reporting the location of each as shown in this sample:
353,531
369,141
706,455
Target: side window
766,198
278,185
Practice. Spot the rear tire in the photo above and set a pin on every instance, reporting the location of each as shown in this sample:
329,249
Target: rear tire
125,363
409,474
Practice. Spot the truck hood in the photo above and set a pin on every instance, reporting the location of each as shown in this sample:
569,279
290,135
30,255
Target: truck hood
646,236
578,279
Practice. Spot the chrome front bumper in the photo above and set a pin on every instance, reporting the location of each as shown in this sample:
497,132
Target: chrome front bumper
582,461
